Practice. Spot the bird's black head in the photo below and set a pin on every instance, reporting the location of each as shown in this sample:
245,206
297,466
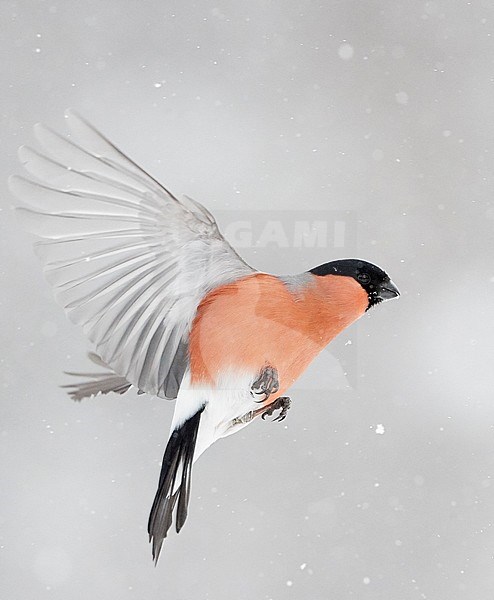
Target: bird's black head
374,280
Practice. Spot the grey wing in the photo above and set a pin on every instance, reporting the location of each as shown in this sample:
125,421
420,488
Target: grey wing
128,261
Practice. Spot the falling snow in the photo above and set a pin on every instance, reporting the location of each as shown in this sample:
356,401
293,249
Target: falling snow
401,98
346,51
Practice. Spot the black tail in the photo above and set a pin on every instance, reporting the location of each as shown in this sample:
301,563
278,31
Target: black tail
177,461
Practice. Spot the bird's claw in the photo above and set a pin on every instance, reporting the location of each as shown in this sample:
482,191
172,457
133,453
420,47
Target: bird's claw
282,403
266,384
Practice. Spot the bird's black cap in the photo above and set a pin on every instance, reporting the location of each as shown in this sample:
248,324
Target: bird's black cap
372,278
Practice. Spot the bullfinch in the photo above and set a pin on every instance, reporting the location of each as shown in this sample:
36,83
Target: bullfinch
168,304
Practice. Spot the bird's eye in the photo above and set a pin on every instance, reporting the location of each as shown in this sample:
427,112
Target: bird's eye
364,278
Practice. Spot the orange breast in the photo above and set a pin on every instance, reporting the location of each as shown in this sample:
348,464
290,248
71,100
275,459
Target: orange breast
258,321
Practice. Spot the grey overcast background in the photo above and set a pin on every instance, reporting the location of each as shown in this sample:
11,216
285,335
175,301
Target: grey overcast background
379,485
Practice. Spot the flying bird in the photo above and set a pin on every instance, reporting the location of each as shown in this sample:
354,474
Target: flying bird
168,304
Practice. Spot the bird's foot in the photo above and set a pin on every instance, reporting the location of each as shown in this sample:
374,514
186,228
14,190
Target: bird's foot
266,384
283,404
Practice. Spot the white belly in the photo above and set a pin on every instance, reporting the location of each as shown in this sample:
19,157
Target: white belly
230,400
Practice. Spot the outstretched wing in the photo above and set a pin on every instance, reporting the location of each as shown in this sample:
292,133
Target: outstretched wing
128,261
